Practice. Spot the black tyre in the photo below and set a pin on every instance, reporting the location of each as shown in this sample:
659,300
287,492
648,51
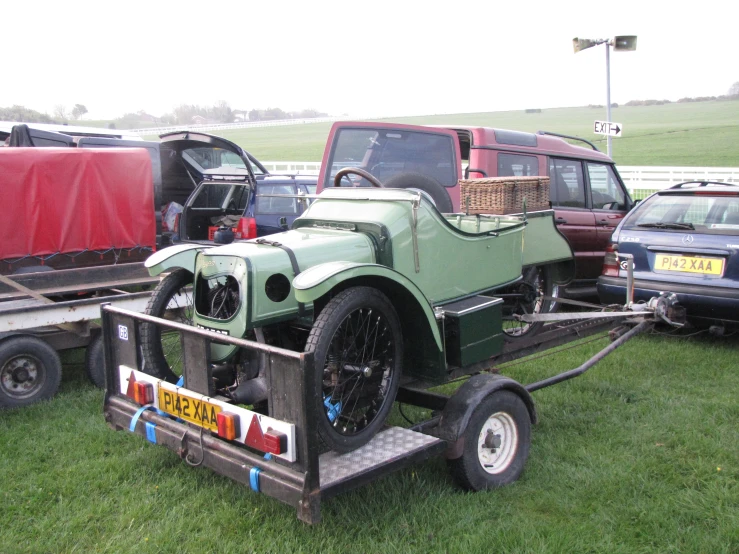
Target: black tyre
358,350
527,297
30,370
496,443
426,184
162,351
95,362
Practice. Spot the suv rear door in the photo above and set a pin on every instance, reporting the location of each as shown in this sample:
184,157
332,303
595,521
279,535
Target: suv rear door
589,201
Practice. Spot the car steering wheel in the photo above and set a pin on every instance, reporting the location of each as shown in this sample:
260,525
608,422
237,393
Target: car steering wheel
374,181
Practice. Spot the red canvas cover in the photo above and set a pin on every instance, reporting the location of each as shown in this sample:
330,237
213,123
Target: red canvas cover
62,200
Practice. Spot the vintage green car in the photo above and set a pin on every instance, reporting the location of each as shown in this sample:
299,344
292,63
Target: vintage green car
375,282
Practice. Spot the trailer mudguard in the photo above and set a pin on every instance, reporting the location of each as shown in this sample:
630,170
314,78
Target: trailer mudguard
317,281
459,408
179,255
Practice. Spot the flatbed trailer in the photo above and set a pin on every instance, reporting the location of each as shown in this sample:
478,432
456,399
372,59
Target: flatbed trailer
483,428
44,312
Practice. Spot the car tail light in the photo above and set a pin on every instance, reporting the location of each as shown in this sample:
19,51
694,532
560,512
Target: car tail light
140,392
610,262
275,442
246,228
143,393
228,426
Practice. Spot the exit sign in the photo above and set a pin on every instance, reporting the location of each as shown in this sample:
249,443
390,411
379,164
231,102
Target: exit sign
608,128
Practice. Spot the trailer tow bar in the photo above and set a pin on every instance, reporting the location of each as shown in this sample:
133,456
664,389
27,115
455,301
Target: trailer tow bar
640,328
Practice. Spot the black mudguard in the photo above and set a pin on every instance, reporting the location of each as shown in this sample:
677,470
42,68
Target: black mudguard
462,404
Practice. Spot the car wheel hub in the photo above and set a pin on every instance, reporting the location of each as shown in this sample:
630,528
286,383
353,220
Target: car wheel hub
497,443
19,376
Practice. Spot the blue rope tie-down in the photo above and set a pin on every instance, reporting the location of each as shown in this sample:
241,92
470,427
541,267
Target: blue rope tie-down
332,410
254,478
254,474
150,426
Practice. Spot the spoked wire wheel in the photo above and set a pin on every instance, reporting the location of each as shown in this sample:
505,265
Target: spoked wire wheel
162,349
358,355
527,297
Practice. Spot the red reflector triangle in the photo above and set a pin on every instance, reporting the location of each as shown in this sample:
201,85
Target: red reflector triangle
130,391
254,436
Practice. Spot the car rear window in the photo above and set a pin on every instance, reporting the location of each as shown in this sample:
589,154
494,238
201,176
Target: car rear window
389,152
206,157
269,204
221,196
566,185
517,165
709,214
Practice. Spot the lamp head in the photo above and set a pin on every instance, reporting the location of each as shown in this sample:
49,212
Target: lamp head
624,43
583,43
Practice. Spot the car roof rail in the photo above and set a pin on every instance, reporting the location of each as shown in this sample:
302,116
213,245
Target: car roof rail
702,184
593,146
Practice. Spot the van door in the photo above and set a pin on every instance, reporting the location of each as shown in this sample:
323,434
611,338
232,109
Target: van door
610,201
572,215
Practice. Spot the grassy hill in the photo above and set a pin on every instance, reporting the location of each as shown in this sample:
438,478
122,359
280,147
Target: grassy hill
685,134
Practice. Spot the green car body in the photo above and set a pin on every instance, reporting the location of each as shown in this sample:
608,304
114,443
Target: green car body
389,239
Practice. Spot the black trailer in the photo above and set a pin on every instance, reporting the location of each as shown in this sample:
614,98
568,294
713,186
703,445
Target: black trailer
484,428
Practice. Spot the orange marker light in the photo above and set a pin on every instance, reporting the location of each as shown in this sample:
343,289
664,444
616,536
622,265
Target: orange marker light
143,393
228,426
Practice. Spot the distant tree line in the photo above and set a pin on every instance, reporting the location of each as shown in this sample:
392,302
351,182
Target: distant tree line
189,114
221,112
24,115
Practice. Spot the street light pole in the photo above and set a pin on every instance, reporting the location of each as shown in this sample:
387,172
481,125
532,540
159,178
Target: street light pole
608,93
622,43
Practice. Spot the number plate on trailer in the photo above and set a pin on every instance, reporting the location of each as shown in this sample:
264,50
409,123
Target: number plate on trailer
689,264
203,411
194,410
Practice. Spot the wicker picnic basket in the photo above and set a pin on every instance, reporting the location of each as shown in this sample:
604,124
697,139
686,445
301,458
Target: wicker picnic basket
504,195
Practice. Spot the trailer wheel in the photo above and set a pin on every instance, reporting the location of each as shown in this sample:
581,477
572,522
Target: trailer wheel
30,370
358,349
162,351
527,298
496,443
95,362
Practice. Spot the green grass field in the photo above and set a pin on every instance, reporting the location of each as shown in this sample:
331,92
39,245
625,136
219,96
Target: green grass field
638,455
685,134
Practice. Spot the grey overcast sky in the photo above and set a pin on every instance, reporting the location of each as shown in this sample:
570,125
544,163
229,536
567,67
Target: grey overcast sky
375,58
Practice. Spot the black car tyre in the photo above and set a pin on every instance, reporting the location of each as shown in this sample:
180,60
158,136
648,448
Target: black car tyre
162,351
424,183
358,347
496,443
30,370
527,297
95,361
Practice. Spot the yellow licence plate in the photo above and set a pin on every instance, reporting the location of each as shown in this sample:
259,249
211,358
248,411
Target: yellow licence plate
199,412
689,264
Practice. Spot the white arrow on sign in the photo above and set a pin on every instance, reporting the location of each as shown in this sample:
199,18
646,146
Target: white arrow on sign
608,128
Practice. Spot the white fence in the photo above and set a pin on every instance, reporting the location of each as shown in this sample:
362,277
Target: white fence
644,180
640,180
